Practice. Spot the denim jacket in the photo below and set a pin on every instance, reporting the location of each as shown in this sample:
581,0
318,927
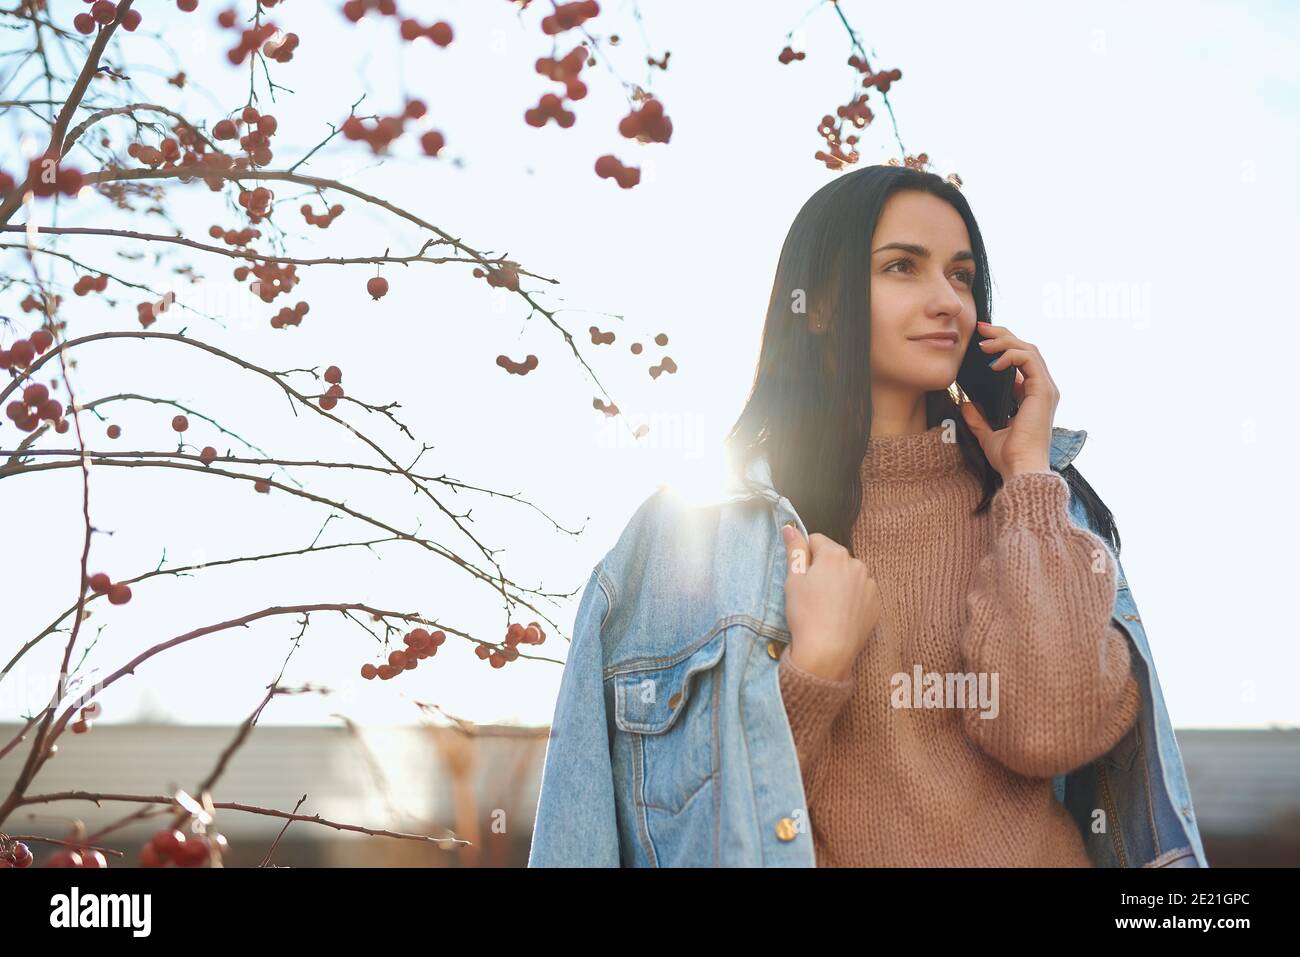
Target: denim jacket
670,744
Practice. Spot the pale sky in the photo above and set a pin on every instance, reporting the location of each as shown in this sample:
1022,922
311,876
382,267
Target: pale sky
1132,170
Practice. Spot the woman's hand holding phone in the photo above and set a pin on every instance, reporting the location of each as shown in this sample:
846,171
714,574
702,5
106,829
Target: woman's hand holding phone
832,604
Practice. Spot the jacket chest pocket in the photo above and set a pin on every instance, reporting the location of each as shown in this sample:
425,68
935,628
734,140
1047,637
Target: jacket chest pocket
667,716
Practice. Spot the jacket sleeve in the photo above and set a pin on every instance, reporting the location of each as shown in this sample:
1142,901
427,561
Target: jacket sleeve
1040,607
576,824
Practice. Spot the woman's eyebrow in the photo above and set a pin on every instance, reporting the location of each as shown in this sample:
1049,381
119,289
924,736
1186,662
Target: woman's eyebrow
917,250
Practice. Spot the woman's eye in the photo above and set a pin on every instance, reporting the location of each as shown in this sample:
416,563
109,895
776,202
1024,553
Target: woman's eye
966,275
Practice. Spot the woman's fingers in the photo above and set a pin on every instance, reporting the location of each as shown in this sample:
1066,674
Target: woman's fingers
796,548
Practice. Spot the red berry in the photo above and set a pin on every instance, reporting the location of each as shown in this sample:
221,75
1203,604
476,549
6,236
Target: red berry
263,486
377,286
368,671
100,583
180,423
195,852
119,594
167,842
149,856
114,431
207,455
35,394
333,374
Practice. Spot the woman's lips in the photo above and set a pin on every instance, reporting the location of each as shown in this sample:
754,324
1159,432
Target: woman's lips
938,343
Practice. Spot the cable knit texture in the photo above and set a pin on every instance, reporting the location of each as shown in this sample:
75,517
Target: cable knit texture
1019,592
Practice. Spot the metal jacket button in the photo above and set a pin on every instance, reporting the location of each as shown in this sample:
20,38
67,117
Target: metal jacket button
786,830
773,648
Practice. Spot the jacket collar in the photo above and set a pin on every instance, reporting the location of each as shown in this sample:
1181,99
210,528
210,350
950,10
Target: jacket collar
1066,444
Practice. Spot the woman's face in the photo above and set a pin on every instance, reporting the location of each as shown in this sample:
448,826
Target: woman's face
922,282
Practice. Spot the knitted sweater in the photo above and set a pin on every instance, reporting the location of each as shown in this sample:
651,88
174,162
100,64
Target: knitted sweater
898,769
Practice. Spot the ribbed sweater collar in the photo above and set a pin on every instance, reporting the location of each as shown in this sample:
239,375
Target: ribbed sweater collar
915,456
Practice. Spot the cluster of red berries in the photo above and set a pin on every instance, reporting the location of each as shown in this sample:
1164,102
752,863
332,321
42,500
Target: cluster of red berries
36,405
281,50
323,219
117,592
46,176
439,33
77,857
610,410
15,854
920,163
21,354
250,39
856,112
610,167
167,154
377,286
837,157
171,846
235,237
666,364
420,644
599,338
105,12
648,124
549,107
256,202
505,277
148,312
271,279
83,722
516,635
660,340
881,81
256,142
50,306
788,55
564,70
289,316
334,376
569,15
354,10
90,284
388,128
517,368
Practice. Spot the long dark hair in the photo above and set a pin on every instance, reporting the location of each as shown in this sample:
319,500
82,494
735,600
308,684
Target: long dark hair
809,409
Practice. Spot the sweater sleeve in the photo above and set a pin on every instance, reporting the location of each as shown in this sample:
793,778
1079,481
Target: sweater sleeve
811,704
1040,607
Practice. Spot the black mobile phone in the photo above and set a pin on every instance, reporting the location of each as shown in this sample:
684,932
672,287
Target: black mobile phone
991,391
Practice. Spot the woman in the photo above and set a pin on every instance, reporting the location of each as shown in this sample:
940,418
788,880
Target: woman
935,542
932,664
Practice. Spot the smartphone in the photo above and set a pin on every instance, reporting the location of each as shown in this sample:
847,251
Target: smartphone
991,391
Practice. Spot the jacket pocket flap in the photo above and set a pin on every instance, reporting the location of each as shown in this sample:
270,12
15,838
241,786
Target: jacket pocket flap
648,700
